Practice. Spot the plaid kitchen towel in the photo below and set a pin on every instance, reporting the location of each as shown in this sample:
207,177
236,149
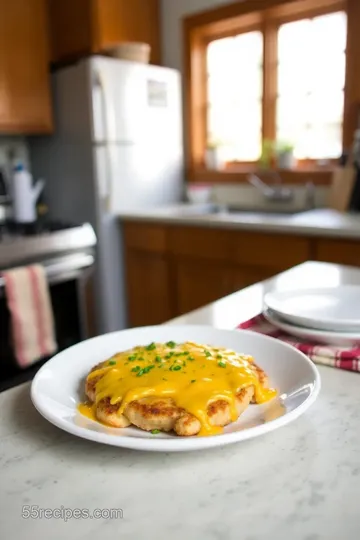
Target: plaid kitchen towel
32,323
328,355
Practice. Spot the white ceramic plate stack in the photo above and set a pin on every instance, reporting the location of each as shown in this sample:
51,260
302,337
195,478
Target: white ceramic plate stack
324,315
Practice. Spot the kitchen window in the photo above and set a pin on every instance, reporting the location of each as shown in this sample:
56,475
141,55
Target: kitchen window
279,76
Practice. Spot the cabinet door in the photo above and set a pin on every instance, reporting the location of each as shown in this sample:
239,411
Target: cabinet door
148,288
24,79
338,251
129,20
243,277
200,282
71,23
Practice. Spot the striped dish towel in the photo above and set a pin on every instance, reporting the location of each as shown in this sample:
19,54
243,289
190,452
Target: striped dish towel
328,355
29,304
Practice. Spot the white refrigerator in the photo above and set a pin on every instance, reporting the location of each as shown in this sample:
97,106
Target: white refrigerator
117,145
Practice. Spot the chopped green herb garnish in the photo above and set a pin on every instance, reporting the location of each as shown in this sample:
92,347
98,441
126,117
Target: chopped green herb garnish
150,347
185,353
136,368
221,363
219,356
191,358
112,363
140,358
155,431
178,354
207,354
194,380
171,344
148,368
164,379
158,359
176,368
144,370
132,357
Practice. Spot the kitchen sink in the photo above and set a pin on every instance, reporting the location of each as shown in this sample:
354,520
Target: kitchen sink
214,209
277,211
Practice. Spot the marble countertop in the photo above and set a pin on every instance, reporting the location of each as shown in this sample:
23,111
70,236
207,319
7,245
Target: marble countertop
300,482
320,222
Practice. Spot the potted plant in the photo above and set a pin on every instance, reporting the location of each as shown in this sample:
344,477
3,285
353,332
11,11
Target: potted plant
285,155
214,156
267,154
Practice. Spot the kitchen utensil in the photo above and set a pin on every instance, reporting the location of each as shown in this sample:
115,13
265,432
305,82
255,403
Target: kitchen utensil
25,195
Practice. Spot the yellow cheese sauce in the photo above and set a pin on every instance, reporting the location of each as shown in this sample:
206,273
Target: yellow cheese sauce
193,375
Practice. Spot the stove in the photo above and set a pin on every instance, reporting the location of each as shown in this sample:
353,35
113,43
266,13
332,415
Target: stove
37,242
67,253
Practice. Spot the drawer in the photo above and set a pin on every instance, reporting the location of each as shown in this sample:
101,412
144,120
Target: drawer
200,243
145,237
269,250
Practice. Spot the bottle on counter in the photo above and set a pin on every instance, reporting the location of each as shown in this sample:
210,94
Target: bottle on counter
25,195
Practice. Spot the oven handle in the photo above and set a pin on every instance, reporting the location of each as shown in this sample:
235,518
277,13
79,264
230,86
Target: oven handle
65,268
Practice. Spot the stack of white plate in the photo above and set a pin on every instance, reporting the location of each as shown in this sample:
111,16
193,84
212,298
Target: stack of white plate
321,315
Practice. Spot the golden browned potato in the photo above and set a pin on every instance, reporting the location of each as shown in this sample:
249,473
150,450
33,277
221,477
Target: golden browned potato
263,378
90,383
218,413
153,413
109,414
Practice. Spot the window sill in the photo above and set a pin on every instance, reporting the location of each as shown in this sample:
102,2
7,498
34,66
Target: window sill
319,176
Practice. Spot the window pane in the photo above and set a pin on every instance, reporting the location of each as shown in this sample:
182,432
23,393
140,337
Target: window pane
311,79
234,94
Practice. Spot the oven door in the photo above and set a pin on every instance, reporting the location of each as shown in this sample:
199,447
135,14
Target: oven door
67,277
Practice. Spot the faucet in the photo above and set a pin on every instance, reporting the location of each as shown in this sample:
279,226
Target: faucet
276,192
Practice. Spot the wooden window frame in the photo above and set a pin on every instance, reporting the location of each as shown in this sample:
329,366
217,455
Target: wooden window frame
266,15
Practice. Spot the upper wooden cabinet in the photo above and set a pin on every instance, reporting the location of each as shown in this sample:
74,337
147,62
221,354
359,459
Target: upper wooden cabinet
83,27
25,105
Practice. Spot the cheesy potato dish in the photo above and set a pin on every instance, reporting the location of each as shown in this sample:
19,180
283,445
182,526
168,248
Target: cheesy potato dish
188,388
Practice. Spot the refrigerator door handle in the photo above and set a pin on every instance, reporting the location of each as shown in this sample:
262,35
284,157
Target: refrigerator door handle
108,124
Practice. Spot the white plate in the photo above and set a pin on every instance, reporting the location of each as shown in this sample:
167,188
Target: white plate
336,309
344,339
58,386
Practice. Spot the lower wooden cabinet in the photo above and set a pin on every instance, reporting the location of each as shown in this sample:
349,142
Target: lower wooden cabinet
338,251
244,277
199,282
172,270
148,288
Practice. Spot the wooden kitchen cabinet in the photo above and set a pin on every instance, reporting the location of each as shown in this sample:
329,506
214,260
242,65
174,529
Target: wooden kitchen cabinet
269,250
83,27
339,251
172,270
25,103
148,288
198,283
242,277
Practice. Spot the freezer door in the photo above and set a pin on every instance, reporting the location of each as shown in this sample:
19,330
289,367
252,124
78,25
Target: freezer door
128,98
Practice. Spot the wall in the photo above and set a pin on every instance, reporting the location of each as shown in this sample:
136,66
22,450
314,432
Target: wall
172,13
13,148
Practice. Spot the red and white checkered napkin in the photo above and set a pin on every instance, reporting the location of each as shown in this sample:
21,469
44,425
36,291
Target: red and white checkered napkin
328,355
